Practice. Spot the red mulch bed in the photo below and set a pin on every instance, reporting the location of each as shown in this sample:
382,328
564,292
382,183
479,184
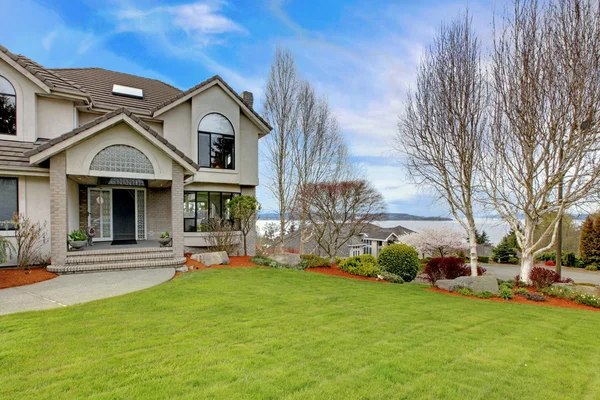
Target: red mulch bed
552,301
18,277
335,271
234,262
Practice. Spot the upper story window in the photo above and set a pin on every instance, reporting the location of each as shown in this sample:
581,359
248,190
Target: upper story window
8,108
216,142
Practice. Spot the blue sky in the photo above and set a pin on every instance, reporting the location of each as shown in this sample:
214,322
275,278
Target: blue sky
362,54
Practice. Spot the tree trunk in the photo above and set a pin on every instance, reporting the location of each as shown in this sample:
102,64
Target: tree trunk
473,251
526,266
245,246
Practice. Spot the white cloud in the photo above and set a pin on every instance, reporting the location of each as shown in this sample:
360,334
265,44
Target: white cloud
202,22
48,40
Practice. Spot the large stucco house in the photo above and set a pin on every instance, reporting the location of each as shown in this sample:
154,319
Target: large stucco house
130,156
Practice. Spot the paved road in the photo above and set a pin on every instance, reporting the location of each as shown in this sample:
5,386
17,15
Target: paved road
67,290
504,271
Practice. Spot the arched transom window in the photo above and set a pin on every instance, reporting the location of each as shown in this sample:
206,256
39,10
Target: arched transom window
216,142
8,107
122,158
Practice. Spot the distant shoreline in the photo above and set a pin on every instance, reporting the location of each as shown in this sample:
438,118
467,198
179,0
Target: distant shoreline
386,217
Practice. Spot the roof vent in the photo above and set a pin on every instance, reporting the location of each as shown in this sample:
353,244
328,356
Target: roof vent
127,91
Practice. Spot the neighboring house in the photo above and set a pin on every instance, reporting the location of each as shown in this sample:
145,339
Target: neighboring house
130,156
371,240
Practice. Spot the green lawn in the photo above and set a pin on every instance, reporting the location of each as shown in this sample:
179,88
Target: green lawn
267,333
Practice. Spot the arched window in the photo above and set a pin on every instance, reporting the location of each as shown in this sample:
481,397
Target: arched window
216,142
122,158
8,108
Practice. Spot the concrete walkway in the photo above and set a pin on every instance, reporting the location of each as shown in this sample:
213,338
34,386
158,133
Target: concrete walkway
66,290
505,271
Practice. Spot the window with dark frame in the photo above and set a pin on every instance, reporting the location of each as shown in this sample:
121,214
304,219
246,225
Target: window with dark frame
8,108
201,206
9,200
216,142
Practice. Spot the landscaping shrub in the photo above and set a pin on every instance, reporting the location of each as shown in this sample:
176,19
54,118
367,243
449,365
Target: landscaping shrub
505,293
465,291
531,295
511,283
550,264
400,259
363,265
569,259
520,291
448,268
587,299
513,260
592,267
314,261
267,262
483,259
393,278
484,295
338,260
543,277
559,292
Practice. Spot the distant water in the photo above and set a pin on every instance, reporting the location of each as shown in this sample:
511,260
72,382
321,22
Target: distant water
495,228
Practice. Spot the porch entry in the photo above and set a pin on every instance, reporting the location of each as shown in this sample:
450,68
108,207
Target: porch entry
117,214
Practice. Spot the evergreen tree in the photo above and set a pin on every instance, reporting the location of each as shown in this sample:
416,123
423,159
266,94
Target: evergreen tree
482,238
507,248
587,240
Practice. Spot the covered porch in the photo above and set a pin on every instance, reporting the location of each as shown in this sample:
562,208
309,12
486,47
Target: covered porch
121,179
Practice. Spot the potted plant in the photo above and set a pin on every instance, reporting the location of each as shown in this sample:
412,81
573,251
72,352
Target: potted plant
77,240
164,239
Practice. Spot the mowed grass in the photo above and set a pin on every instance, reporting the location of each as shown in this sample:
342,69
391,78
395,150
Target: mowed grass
259,333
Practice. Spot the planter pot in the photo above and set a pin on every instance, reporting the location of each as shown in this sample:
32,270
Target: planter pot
78,244
164,242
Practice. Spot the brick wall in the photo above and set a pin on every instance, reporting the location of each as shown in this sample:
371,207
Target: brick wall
58,208
177,209
83,208
158,218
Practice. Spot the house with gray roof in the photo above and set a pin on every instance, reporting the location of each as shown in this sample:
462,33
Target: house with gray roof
123,156
371,240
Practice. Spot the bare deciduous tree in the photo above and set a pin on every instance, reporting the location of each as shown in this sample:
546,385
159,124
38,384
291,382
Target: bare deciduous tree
337,210
316,149
223,236
545,126
442,128
280,109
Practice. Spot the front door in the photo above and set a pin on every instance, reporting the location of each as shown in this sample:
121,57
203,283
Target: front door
123,214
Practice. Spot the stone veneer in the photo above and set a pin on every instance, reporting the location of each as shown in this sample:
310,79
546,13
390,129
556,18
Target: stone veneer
58,208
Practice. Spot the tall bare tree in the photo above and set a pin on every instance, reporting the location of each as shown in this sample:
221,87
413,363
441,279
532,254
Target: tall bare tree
545,126
338,210
280,109
443,125
316,149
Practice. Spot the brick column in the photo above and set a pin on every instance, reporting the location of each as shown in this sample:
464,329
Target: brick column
177,209
58,209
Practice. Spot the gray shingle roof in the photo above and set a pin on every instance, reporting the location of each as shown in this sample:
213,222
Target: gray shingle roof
12,154
98,83
106,117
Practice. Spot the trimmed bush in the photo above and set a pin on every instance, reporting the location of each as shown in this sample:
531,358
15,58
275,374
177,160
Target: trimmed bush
364,265
505,293
314,261
448,268
393,278
267,262
400,259
513,260
550,264
592,267
483,259
484,295
543,277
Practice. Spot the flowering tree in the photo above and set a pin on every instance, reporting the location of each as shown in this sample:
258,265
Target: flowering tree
435,242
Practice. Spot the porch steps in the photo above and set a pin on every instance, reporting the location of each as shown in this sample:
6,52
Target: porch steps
118,259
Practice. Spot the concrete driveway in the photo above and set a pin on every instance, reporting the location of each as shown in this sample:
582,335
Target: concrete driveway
66,290
505,271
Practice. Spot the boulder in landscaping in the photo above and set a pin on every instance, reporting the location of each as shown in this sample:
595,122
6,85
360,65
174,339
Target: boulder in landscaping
595,290
477,284
214,258
181,269
446,284
286,258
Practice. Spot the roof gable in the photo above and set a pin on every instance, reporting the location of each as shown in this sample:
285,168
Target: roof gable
69,139
202,86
